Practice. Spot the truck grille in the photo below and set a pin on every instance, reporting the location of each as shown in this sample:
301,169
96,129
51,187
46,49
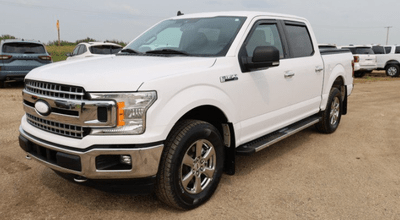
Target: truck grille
55,90
56,127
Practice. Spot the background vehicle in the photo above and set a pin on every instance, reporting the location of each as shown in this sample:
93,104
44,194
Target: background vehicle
175,106
93,49
364,59
390,62
18,57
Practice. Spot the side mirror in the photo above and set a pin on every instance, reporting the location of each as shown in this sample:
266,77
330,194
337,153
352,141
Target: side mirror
68,54
263,57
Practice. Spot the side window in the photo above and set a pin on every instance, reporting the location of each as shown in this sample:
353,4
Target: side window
299,40
397,50
75,52
82,49
264,35
388,49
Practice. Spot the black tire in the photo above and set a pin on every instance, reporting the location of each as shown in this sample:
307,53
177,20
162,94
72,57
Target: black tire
178,183
359,74
330,118
2,84
392,70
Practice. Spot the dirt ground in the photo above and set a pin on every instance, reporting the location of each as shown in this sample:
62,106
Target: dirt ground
353,173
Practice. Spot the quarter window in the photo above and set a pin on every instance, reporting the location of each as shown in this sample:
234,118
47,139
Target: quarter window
397,50
299,40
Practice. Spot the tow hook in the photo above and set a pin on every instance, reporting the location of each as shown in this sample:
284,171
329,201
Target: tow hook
80,179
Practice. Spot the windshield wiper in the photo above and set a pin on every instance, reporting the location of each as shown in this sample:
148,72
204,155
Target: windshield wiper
128,50
167,51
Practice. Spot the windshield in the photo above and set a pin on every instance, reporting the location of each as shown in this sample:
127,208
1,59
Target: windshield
23,48
104,49
195,36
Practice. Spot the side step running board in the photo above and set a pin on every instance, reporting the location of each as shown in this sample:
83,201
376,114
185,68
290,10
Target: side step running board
272,138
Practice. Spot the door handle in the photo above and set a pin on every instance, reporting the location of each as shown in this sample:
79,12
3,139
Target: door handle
289,74
318,69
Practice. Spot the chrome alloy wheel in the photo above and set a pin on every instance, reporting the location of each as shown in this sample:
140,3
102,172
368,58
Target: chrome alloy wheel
198,166
335,110
392,71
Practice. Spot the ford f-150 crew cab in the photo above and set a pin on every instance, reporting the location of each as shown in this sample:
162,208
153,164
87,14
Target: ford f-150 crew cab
175,106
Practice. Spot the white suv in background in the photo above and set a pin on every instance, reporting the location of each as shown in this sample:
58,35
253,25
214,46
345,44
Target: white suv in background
93,49
390,61
364,59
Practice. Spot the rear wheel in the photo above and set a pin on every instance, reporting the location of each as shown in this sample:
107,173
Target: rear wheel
359,74
392,70
331,116
2,84
191,165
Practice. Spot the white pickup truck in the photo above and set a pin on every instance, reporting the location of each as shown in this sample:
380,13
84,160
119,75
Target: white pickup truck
175,106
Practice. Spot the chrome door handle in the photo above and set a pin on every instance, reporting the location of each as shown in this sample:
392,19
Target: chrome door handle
289,74
318,69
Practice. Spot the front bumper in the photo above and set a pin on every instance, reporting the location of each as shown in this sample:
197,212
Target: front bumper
13,75
89,163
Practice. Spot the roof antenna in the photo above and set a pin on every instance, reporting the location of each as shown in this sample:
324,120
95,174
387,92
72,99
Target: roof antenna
179,13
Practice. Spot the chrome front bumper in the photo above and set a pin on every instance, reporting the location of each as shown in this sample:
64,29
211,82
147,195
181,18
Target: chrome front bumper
145,160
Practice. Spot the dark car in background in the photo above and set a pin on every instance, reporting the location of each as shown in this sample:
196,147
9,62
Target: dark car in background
18,57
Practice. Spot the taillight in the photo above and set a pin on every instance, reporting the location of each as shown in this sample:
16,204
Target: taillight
352,66
5,57
356,59
48,58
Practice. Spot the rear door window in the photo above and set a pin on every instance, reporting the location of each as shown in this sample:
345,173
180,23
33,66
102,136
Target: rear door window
388,49
26,48
299,40
378,50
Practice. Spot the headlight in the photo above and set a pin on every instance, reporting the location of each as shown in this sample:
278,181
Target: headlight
131,111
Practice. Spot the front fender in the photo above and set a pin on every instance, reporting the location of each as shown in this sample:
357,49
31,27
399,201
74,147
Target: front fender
170,109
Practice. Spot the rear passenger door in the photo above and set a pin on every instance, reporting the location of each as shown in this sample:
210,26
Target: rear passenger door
305,67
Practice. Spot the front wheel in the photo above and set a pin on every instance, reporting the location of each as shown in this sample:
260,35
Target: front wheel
191,165
331,116
2,84
392,70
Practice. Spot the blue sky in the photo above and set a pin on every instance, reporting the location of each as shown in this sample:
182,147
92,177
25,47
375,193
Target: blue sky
340,22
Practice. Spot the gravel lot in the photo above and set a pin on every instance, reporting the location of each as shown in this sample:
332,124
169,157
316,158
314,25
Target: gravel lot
351,174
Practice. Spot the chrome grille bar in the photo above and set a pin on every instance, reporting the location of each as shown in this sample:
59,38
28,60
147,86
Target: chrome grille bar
56,127
55,90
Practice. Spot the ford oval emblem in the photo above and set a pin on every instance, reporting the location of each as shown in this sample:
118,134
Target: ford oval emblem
42,107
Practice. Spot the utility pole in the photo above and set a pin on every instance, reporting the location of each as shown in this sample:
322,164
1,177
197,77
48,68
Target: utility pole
58,29
387,35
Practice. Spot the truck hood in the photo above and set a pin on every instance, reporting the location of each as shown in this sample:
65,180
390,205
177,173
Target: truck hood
117,73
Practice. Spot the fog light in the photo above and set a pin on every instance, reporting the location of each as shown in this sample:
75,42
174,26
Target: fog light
126,159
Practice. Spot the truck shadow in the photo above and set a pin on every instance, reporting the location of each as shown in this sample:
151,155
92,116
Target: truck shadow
122,197
245,165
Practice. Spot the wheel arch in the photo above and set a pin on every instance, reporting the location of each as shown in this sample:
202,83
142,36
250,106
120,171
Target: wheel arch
390,62
219,120
338,80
